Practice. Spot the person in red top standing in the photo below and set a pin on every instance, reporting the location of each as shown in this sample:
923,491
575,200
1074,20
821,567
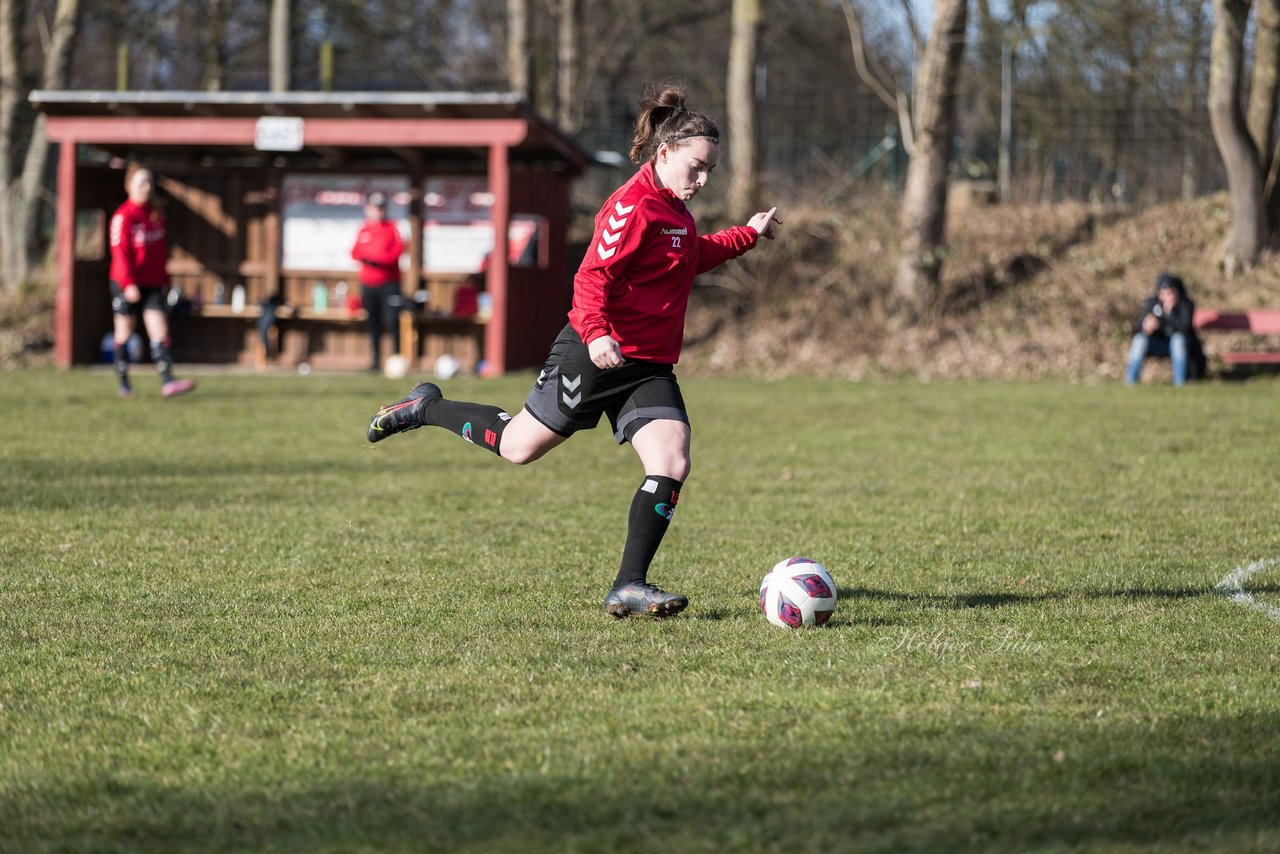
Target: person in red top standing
378,248
626,327
139,281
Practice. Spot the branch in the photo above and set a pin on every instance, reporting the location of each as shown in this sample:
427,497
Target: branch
886,92
890,93
908,12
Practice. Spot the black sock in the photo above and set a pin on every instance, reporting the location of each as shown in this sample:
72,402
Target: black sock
121,360
651,512
164,360
478,423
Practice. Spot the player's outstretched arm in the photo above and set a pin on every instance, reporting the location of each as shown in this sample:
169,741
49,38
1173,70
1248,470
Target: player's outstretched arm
715,249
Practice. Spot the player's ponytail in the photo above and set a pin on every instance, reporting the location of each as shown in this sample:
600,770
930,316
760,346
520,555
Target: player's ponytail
664,118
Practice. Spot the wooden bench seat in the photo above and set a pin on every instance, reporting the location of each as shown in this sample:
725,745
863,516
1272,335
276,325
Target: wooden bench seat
1256,322
334,338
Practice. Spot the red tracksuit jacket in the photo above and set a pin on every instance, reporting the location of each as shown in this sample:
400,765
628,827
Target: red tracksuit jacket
378,248
635,280
139,246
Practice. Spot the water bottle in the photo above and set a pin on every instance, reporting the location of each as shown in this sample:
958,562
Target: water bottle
237,299
320,297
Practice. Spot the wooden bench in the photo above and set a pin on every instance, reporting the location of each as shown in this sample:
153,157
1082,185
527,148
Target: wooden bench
423,337
1257,322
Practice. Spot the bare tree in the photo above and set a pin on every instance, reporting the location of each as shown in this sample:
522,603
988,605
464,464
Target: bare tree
1261,114
22,196
1191,95
281,45
518,41
11,94
1249,227
879,78
744,165
216,16
924,201
567,64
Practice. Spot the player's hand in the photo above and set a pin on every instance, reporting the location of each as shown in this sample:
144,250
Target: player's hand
605,352
766,223
1150,324
131,293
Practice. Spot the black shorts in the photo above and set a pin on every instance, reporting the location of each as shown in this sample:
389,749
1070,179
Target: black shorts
148,299
571,393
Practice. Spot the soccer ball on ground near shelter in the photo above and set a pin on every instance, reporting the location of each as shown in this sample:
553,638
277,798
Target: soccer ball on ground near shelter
798,592
395,367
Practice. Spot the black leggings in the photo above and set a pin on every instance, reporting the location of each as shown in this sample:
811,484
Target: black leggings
382,304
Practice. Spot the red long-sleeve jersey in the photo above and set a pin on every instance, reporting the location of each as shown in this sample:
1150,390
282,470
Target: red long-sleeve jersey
139,246
635,280
378,247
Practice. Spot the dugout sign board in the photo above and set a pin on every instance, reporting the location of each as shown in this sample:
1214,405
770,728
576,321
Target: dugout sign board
321,215
278,133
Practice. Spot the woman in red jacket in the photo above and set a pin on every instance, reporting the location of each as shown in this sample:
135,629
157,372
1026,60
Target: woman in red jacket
378,248
625,331
139,282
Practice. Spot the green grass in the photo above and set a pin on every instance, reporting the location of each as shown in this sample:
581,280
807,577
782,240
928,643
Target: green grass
227,623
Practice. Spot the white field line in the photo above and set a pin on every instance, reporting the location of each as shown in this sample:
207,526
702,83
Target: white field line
1232,586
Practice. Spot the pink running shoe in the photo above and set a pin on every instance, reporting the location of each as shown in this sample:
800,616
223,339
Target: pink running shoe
173,388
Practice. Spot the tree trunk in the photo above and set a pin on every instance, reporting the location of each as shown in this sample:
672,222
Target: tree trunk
518,47
281,45
1244,177
214,45
567,65
11,14
1190,186
924,201
1261,116
744,163
26,201
1122,135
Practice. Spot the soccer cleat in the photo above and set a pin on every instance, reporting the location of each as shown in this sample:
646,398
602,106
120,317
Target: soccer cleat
126,390
173,388
404,414
640,597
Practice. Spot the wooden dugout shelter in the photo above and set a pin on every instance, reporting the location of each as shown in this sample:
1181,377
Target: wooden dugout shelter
224,164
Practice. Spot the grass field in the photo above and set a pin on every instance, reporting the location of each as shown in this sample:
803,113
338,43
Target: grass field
228,623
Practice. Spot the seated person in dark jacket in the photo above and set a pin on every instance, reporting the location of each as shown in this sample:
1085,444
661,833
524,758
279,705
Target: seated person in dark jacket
1164,328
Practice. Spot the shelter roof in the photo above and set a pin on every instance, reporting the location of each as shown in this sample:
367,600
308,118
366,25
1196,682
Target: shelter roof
378,110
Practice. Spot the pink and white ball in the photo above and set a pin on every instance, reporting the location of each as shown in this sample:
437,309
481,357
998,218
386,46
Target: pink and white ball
798,592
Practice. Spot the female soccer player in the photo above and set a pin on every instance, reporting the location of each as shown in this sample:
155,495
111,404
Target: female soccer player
378,248
139,282
625,331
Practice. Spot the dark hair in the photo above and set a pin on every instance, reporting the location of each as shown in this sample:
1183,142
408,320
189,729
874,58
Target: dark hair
1169,280
664,118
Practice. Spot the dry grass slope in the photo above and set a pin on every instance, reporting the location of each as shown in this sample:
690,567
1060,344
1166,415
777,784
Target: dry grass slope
1028,291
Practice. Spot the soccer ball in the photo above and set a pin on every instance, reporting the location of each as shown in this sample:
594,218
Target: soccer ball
798,592
447,367
395,367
